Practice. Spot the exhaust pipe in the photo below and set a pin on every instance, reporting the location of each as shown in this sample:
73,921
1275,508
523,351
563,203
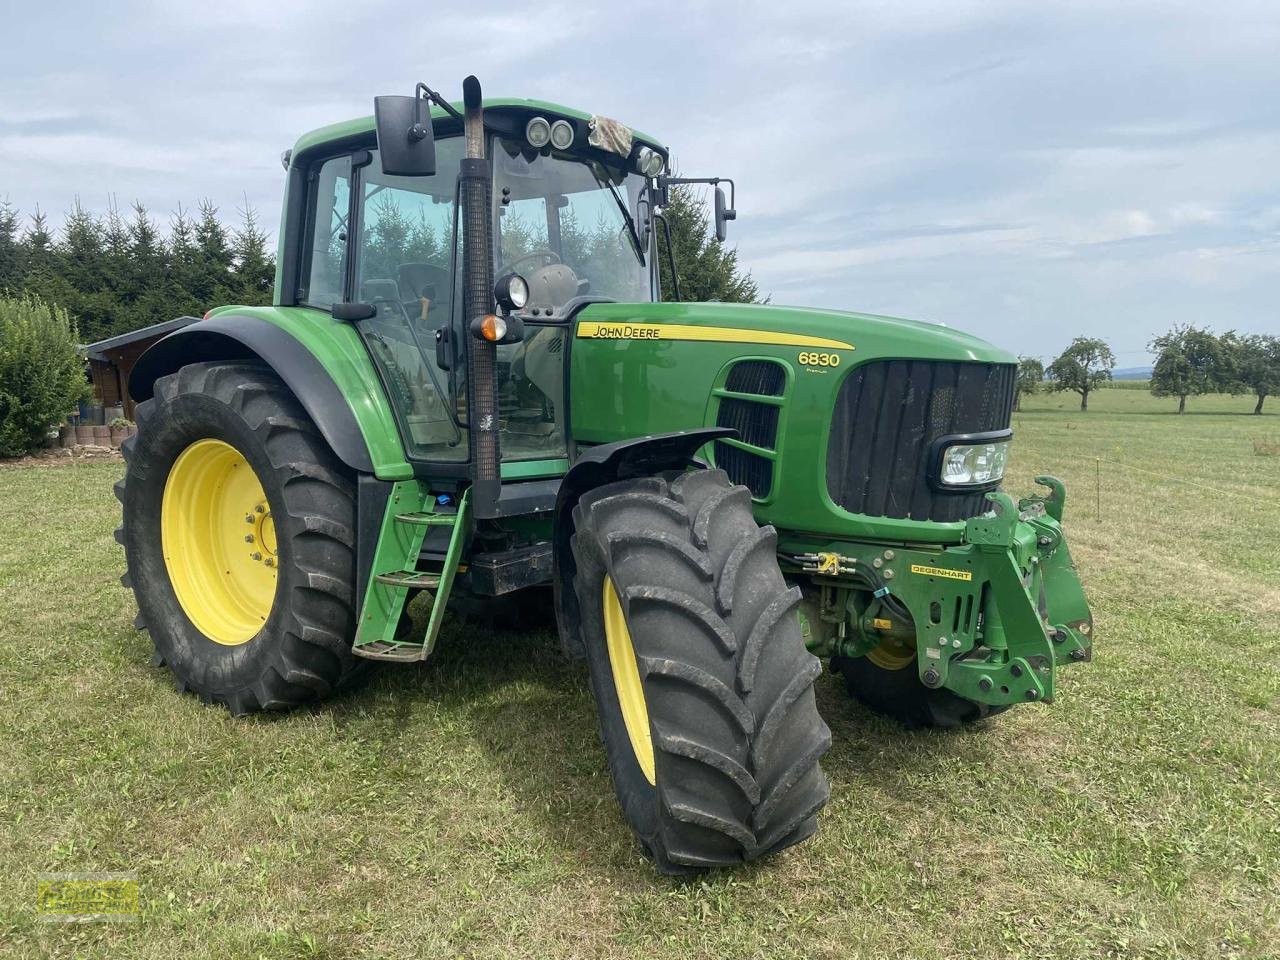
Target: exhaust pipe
475,191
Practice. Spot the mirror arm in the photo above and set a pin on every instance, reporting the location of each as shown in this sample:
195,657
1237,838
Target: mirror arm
671,255
423,92
665,182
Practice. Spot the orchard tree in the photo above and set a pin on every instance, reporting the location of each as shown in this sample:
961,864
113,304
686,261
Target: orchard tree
1082,368
1255,360
1028,380
1189,362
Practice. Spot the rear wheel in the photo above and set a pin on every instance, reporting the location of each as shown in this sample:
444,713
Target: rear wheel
887,681
238,536
703,686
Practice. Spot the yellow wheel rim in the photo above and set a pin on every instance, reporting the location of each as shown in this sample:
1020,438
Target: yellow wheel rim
219,542
626,681
893,655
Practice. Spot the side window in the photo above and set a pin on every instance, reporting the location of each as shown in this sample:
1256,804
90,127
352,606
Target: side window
327,243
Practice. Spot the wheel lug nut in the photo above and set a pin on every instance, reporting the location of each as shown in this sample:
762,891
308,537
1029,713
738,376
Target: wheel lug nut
249,538
269,562
248,518
260,509
257,556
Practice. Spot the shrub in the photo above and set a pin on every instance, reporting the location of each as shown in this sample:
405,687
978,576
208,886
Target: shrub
41,374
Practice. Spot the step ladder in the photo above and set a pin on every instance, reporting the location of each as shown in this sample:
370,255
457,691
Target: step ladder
412,511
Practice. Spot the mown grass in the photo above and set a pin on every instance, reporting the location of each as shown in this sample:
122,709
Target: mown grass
462,808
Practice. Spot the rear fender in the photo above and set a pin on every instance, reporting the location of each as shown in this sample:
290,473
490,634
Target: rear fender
368,443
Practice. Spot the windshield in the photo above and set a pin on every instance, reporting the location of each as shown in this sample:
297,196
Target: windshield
567,224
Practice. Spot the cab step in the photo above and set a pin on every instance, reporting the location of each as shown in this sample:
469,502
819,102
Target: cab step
428,519
411,511
410,579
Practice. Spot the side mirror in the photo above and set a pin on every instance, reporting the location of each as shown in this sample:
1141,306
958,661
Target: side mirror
644,218
405,138
724,213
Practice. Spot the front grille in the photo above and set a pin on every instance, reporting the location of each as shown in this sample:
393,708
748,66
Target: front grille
744,467
887,415
761,377
756,423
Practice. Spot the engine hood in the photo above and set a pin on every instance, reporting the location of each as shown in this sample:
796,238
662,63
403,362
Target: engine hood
865,335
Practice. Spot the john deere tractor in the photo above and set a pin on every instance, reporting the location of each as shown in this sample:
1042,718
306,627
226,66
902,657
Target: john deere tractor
713,498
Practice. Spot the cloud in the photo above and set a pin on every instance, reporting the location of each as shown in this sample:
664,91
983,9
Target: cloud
1022,170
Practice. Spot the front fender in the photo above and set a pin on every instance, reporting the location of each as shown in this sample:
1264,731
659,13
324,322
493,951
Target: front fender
621,460
321,360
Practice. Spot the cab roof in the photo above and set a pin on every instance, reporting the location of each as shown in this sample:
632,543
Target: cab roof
362,126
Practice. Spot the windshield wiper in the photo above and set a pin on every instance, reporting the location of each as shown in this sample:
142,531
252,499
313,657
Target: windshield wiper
632,231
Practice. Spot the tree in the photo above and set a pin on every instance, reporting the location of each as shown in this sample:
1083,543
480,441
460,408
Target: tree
213,279
254,266
1029,377
11,272
708,269
115,273
1082,367
41,374
1189,362
1255,360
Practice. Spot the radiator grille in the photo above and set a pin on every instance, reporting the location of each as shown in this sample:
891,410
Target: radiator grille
752,471
761,377
756,423
886,416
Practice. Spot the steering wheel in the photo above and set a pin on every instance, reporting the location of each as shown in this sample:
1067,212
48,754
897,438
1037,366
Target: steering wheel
545,252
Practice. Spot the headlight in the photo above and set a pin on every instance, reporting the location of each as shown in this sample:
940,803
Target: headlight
649,162
973,461
562,134
538,132
512,291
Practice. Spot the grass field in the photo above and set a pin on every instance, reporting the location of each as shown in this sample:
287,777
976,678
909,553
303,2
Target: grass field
462,808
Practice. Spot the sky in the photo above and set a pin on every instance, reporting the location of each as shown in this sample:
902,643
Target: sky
1028,172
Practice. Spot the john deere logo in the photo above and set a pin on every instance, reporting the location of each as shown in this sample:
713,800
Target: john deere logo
595,330
628,331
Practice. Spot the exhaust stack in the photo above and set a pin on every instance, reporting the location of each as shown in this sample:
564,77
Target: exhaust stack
475,191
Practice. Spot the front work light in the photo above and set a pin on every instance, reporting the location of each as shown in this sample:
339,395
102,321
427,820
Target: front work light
649,162
538,132
973,461
562,134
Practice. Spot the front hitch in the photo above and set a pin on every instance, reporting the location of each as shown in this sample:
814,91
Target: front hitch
1033,612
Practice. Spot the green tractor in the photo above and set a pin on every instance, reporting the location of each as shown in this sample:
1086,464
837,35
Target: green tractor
713,498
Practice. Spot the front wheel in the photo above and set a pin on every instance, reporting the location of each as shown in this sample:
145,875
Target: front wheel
238,536
703,686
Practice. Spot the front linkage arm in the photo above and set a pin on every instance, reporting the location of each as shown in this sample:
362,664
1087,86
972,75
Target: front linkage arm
1035,616
990,618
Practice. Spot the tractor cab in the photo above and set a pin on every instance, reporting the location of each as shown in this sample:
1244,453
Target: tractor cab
384,250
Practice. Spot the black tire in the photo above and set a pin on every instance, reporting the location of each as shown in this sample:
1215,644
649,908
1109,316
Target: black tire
900,695
303,650
726,679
